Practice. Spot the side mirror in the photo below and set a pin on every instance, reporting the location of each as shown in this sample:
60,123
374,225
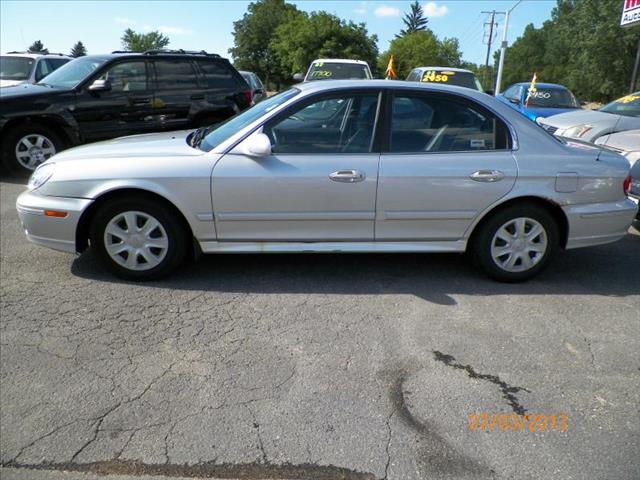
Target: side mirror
100,86
257,145
298,77
515,100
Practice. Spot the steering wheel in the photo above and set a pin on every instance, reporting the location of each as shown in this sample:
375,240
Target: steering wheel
437,139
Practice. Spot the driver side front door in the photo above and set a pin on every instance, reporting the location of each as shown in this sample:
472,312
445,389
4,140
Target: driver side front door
319,183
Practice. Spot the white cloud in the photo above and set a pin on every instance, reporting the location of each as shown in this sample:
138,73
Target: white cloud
432,9
174,30
124,21
385,11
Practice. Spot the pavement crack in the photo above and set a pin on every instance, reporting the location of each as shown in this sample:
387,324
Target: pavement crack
508,391
388,423
256,426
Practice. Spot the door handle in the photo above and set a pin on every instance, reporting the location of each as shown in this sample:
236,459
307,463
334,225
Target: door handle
347,176
487,176
140,100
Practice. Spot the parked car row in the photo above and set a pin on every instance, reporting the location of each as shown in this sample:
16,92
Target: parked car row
17,68
99,97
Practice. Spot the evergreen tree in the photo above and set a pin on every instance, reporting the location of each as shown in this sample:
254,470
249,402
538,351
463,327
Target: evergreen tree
415,21
38,47
78,50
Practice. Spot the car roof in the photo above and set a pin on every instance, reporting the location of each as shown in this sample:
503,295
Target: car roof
551,86
463,70
340,60
395,84
35,55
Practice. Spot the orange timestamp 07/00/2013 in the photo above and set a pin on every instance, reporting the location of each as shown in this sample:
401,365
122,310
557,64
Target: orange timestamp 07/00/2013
512,422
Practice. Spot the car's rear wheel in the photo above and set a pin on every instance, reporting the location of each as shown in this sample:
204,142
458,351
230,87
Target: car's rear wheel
138,239
27,146
516,243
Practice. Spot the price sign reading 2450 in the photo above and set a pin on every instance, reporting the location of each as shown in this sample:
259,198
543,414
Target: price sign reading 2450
433,76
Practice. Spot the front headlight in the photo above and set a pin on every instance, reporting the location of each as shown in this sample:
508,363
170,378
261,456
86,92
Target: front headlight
539,120
577,132
41,175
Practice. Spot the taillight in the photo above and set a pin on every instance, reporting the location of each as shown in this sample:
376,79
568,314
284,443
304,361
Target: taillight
626,185
248,97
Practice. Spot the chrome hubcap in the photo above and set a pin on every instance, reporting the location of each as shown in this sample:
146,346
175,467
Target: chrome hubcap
136,240
34,149
519,244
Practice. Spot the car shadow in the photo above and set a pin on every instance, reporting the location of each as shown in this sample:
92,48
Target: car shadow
608,270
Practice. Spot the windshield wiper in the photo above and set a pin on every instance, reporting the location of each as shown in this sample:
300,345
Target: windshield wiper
197,136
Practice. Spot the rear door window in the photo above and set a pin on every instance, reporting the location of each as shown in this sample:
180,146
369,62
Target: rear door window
429,123
216,74
175,75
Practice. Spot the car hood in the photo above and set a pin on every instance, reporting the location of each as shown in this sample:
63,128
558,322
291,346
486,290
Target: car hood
149,145
582,117
546,112
10,83
29,90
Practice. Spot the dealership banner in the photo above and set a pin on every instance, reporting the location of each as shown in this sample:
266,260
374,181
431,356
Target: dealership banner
630,13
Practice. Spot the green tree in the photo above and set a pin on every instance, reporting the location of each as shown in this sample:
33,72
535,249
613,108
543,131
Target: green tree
37,47
415,21
78,50
306,37
420,49
140,42
582,47
253,35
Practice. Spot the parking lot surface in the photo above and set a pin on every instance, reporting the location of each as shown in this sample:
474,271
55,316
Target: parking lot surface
317,366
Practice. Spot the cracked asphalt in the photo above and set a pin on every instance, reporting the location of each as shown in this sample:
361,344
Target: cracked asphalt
325,366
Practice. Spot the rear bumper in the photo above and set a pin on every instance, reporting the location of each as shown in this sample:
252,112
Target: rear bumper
599,223
53,232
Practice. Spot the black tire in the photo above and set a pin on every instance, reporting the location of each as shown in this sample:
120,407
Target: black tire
483,239
14,136
176,235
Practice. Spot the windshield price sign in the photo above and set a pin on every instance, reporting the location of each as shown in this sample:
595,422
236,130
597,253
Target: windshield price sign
630,13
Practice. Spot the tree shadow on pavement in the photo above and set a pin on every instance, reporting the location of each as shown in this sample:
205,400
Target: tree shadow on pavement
608,270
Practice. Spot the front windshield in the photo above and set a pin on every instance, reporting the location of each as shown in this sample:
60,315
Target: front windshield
628,106
221,132
15,68
552,98
71,74
450,77
337,71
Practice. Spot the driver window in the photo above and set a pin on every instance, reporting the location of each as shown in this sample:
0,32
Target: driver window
340,124
127,77
439,124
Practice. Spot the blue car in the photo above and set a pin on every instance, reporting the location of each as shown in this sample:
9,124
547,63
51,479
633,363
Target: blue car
548,99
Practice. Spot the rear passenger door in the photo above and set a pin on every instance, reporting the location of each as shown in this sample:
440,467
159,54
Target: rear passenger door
176,89
446,160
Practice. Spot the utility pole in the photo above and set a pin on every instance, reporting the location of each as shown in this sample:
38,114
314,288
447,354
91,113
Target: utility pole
489,42
503,47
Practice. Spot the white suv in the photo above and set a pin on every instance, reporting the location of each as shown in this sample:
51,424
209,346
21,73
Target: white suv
23,67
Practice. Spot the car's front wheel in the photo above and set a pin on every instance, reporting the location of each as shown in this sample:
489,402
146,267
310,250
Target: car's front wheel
138,239
516,243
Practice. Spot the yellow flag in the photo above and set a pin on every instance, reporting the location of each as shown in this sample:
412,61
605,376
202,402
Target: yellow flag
531,91
391,73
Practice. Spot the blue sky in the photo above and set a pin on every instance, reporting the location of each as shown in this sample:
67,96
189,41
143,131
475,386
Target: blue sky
208,25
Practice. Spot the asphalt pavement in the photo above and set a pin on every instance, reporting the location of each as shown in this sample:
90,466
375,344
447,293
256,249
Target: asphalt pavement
316,366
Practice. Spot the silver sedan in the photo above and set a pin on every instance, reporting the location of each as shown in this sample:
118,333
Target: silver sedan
336,166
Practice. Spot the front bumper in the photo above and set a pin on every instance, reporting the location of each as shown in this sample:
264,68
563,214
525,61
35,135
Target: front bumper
53,232
599,223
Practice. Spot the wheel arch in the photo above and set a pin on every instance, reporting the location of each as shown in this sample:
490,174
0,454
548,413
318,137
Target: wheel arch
84,223
57,124
549,205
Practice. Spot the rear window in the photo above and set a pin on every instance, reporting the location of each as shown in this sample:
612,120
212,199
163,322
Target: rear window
337,71
175,74
628,106
217,75
552,98
449,77
15,68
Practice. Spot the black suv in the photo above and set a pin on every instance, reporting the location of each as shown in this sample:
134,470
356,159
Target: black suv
99,97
